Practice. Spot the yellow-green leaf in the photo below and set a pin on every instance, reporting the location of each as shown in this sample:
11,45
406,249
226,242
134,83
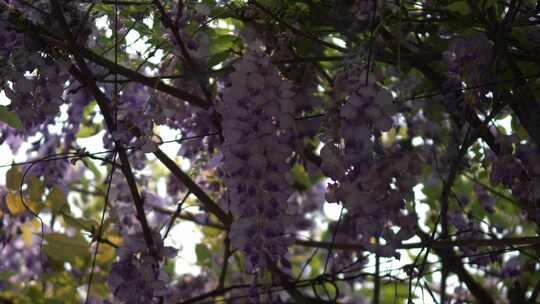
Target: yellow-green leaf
211,232
13,179
28,232
14,203
116,239
86,131
35,207
80,223
56,200
10,118
61,247
105,254
35,189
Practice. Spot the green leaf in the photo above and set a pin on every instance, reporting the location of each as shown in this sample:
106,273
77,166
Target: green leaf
63,248
106,253
90,165
33,294
218,58
395,293
80,223
57,200
87,127
300,177
459,7
223,43
35,189
13,179
324,291
315,266
10,118
63,288
85,131
211,232
203,254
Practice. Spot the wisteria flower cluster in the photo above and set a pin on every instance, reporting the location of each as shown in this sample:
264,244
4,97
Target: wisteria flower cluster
257,126
269,151
137,277
371,181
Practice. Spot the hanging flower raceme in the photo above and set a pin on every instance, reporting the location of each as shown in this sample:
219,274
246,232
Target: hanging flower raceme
193,123
468,60
77,99
134,122
53,169
257,127
370,180
518,170
137,277
32,80
37,85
